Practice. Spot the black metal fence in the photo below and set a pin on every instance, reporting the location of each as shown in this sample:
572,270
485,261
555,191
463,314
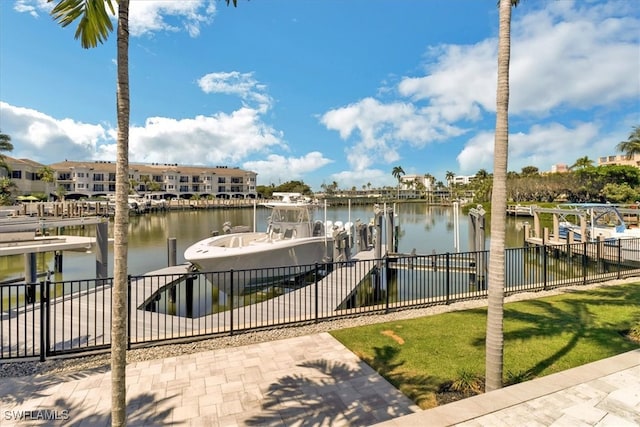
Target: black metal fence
53,318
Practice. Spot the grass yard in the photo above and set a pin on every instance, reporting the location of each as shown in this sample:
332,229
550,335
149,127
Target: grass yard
440,358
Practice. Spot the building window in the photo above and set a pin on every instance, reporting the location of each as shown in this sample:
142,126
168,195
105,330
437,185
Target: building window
16,174
221,180
98,177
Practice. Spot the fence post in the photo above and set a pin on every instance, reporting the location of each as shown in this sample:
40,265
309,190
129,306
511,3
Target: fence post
231,300
315,303
386,269
128,311
545,260
43,322
585,260
47,292
448,279
619,257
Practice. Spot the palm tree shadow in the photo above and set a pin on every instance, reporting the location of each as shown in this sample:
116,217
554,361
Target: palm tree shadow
20,397
331,393
144,409
17,390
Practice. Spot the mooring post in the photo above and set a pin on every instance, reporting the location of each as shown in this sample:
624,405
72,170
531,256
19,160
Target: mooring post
478,243
31,276
391,247
102,250
57,261
172,252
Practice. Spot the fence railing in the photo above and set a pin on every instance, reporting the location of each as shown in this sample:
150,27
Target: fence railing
54,318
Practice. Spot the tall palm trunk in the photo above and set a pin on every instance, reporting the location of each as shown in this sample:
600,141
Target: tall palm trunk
495,334
121,226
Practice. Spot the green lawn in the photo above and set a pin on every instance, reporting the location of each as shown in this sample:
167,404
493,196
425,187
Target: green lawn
542,336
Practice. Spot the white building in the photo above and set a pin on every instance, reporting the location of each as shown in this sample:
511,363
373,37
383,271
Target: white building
98,178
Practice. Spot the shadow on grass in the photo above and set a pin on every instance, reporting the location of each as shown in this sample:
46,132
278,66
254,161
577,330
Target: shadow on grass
418,387
580,318
330,393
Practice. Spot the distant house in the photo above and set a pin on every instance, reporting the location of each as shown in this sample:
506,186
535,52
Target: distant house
620,159
24,173
559,168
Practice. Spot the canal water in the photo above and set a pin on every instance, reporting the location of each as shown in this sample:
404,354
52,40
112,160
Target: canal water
427,229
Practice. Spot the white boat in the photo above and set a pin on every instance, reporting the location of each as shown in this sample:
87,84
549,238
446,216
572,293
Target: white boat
293,240
603,222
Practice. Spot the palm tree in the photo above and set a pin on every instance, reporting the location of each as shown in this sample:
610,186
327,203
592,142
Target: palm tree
631,146
48,175
94,27
397,173
7,187
482,174
495,313
5,145
582,163
449,176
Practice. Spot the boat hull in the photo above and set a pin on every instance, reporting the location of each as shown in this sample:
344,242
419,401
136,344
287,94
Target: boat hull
255,259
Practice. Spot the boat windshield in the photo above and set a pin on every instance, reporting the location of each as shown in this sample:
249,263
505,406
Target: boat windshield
290,215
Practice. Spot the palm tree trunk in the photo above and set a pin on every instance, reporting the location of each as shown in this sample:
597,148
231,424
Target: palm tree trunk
121,223
495,315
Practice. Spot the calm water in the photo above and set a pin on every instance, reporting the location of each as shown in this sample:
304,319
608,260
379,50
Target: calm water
425,228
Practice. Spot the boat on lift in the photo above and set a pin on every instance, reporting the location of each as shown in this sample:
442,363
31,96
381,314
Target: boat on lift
293,242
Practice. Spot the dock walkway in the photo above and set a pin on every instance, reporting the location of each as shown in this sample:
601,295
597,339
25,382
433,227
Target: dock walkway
83,319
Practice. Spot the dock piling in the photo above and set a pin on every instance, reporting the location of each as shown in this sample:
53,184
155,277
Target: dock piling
172,252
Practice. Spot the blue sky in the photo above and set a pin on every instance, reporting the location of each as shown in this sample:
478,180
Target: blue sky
326,90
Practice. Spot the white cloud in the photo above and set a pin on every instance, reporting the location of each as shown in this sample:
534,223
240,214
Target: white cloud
542,146
348,179
32,7
560,56
460,81
236,83
148,16
277,168
217,139
152,16
33,133
569,55
382,128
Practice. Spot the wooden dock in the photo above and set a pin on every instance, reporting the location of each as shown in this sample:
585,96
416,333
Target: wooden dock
520,210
